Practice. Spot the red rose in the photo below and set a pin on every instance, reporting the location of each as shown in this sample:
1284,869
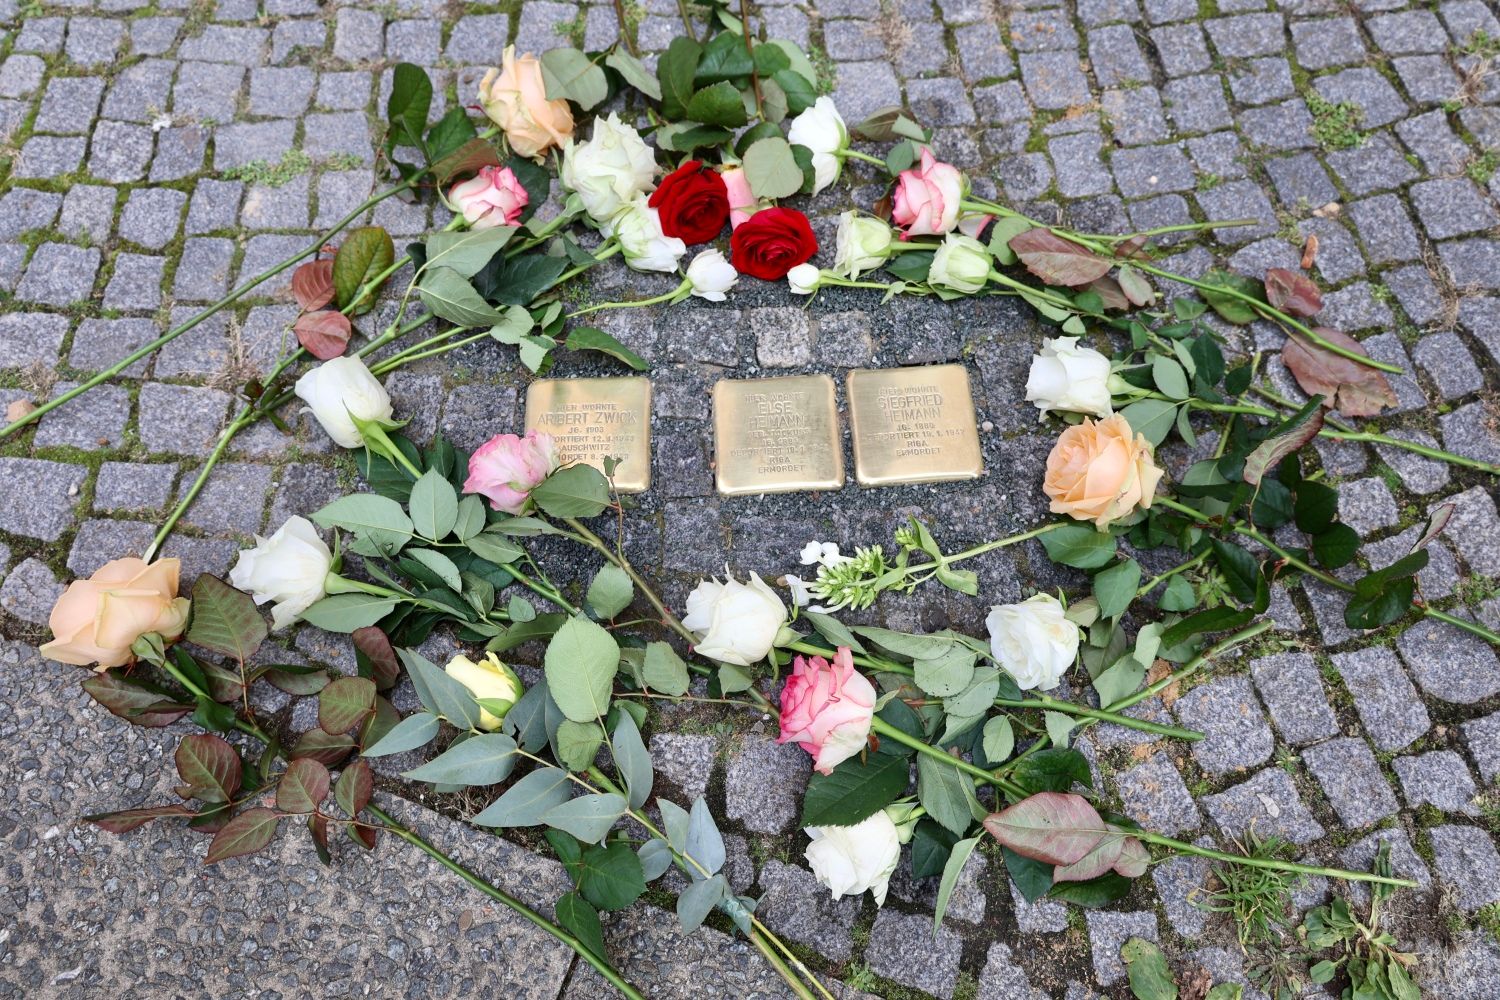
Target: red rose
772,242
693,203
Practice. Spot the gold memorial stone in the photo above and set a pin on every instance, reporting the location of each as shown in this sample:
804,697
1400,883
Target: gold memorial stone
594,418
776,435
913,425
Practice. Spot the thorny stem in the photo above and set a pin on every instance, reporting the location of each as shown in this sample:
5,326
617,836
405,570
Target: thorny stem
654,300
760,110
625,29
1245,530
1192,666
890,732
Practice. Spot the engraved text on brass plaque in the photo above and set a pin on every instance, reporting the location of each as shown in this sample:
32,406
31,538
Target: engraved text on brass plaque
913,425
776,435
593,418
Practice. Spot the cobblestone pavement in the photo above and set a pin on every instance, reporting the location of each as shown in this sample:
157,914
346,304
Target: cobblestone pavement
158,154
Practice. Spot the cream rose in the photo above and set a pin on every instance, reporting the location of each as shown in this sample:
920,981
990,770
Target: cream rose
1067,377
646,248
612,168
97,620
489,679
961,264
804,279
338,392
738,621
290,568
711,275
515,98
862,244
1100,471
850,860
1034,641
821,129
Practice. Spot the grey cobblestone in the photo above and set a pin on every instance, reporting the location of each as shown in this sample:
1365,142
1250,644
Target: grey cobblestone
1267,803
1389,706
1289,685
1467,863
1235,732
1351,780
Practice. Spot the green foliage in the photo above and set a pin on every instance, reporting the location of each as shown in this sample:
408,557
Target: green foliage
1335,126
1360,950
1257,900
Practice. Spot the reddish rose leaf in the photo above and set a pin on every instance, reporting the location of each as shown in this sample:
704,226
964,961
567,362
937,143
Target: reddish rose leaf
1057,261
126,820
317,826
1109,290
1355,390
247,833
344,703
1436,522
1134,858
134,702
376,647
1269,453
362,835
211,818
355,786
1100,859
325,334
325,748
210,768
1133,248
312,284
1058,828
1135,286
302,787
1292,293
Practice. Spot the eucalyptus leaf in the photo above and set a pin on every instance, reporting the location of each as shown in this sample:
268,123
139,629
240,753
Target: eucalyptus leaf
525,802
633,761
587,817
485,759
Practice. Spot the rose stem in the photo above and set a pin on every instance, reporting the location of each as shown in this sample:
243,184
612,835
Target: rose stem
1192,666
1245,530
750,52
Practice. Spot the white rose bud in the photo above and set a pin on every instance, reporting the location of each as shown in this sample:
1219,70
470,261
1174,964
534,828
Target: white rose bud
804,279
738,621
711,275
610,169
290,568
961,264
646,248
862,244
1034,641
489,679
1067,377
821,129
849,860
339,391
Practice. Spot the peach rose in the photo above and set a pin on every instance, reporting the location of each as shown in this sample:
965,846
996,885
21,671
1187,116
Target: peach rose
515,98
827,709
1100,471
98,619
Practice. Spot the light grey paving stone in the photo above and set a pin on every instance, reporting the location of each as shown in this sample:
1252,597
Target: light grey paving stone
1434,142
1003,977
29,591
903,947
151,216
763,785
1108,931
967,900
1453,207
1115,58
1377,165
101,343
685,760
1471,263
40,501
1197,103
1417,293
1247,35
1467,864
1153,794
1470,431
231,502
100,540
1405,862
1148,170
207,93
203,271
1440,778
244,143
94,41
1235,732
140,92
93,421
1181,49
1450,365
1301,179
132,486
21,75
1338,257
215,206
59,275
87,210
865,87
793,904
69,105
1238,199
1351,780
154,36
1293,693
202,555
281,91
28,338
1080,169
1388,705
179,152
1179,882
1054,80
1366,505
119,152
1482,737
1436,578
225,44
1325,42
1365,88
1267,803
1042,916
1261,81
288,38
180,419
1449,663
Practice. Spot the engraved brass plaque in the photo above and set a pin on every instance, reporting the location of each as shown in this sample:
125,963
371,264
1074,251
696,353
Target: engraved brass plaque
776,435
592,418
913,425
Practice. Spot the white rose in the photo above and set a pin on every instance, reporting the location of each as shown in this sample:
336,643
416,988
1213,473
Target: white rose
289,568
849,860
804,279
821,129
738,621
1034,641
711,275
862,244
1068,377
610,169
339,391
961,264
646,248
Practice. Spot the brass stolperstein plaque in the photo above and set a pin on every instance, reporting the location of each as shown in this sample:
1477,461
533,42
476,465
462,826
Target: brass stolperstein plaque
592,418
776,435
913,425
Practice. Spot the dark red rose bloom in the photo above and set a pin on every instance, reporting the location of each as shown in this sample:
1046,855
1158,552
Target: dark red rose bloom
693,202
772,242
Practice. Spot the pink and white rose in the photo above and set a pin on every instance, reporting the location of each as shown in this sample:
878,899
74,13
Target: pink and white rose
928,197
506,468
742,203
827,709
493,197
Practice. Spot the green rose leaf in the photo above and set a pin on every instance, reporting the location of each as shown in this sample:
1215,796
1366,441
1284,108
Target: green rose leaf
771,169
365,253
580,665
224,619
574,491
450,296
1079,545
718,104
571,75
855,791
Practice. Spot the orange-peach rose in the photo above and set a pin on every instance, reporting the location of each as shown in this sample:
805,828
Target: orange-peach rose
515,98
1100,471
98,619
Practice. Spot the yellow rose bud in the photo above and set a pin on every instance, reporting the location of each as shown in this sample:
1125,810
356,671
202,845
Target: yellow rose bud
489,679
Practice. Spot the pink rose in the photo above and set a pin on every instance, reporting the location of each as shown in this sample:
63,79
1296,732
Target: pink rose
493,197
827,708
742,202
507,468
928,198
